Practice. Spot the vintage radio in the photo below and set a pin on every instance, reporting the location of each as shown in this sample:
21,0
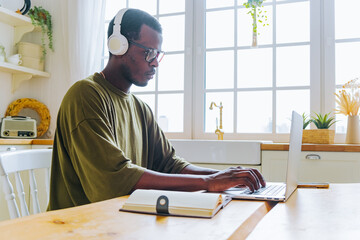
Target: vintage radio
18,127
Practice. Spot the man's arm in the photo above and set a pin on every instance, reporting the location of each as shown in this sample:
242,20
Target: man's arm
216,182
193,169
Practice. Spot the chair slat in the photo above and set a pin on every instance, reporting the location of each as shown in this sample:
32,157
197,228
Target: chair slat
34,192
21,195
10,197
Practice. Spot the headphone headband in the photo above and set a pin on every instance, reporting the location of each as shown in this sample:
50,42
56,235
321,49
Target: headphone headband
117,43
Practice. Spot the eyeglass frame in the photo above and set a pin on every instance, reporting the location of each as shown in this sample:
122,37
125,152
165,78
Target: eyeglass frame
148,51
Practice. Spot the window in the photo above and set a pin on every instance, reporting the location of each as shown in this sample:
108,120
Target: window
346,47
308,50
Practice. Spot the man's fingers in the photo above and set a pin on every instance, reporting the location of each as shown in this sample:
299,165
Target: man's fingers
250,176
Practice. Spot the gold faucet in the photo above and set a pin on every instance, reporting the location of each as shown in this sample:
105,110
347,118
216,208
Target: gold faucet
219,129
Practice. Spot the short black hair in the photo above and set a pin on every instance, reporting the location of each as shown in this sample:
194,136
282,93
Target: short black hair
131,24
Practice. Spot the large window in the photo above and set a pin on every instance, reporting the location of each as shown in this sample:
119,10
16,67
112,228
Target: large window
309,49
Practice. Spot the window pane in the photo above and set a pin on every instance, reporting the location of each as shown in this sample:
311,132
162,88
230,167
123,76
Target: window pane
255,67
167,6
245,29
341,124
347,19
219,70
220,29
241,2
148,6
112,8
293,22
171,111
171,73
149,99
218,4
227,99
347,63
254,113
173,37
293,66
288,101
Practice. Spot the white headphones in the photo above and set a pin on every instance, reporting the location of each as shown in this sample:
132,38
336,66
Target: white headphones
117,43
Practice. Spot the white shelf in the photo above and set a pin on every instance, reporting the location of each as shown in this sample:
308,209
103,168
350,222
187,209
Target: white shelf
21,24
20,73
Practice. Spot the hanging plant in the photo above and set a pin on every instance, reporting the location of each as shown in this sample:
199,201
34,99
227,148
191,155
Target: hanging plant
258,16
42,18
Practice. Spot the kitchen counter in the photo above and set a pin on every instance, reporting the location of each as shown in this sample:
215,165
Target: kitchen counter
264,146
314,147
5,141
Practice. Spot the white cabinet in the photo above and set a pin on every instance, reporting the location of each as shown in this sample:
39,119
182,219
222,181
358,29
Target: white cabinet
333,167
21,25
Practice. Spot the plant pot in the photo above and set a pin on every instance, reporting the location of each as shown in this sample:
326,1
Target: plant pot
353,130
322,136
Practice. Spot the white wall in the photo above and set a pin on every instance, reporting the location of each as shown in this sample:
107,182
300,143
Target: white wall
49,91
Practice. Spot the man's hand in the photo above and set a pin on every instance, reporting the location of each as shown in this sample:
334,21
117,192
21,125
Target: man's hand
235,176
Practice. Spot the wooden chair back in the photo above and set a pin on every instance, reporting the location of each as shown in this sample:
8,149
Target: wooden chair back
17,162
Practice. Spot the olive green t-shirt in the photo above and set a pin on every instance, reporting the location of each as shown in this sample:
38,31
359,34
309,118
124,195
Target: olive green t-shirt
104,141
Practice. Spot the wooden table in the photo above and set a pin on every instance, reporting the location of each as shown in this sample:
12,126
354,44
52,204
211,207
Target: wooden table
332,213
103,220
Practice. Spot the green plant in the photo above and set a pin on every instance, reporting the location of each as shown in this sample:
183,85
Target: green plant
257,14
42,18
323,122
306,120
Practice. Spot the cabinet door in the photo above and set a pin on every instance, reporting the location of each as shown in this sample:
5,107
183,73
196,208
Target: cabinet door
41,146
334,167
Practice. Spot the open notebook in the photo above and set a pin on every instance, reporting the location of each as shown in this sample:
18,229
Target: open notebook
279,191
177,203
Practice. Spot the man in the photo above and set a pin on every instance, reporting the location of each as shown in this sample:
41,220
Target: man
108,143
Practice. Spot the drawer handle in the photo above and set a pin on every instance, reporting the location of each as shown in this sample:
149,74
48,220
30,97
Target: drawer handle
313,157
10,149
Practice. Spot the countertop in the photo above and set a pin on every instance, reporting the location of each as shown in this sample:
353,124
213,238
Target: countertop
264,146
4,141
313,147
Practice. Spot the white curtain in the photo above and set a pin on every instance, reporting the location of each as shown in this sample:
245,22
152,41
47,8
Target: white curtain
83,36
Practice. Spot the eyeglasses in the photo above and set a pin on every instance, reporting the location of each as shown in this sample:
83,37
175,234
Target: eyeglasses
151,53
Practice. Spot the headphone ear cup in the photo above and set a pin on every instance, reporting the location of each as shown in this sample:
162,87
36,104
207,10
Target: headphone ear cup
118,44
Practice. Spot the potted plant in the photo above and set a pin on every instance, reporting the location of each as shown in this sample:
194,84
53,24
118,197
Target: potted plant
42,18
258,16
322,134
306,120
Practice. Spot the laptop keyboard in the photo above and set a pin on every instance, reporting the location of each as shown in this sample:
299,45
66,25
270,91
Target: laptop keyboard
270,190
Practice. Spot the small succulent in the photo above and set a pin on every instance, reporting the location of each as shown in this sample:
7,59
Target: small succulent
306,120
323,121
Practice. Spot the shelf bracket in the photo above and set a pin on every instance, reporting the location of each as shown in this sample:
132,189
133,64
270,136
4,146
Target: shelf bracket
17,78
19,31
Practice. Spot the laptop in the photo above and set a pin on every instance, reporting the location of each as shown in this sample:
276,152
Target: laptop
279,191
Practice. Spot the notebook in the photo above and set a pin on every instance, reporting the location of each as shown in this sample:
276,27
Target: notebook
175,203
282,191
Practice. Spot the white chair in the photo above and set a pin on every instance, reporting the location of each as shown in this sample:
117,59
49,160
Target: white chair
16,162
